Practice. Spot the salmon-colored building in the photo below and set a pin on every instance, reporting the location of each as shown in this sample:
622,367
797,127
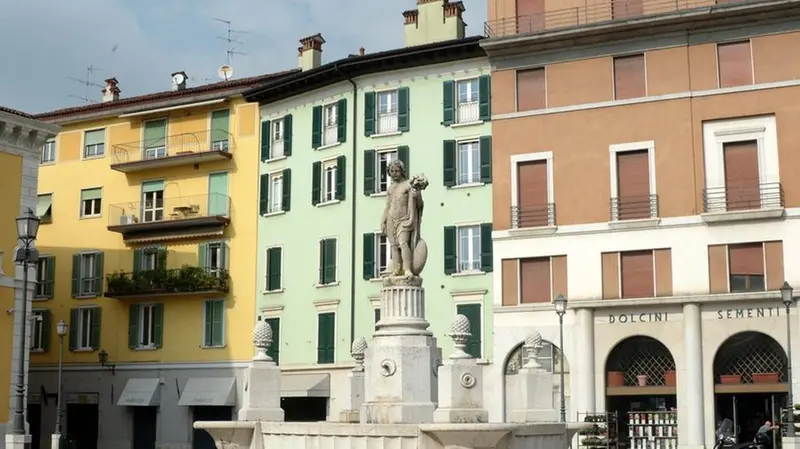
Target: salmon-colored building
644,166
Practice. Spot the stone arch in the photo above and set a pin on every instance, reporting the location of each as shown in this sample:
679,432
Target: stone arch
750,352
640,355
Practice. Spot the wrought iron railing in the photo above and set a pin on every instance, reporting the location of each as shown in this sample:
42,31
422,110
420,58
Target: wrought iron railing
187,279
634,207
468,112
748,197
387,122
156,208
533,216
594,13
174,145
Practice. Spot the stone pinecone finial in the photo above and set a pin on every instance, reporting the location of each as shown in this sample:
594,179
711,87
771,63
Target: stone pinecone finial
533,340
531,348
357,350
262,338
460,333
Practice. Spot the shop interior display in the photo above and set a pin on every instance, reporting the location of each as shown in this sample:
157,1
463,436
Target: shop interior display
603,434
653,430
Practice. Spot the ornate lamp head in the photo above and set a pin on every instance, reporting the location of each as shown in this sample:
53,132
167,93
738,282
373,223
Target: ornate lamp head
262,338
357,350
460,333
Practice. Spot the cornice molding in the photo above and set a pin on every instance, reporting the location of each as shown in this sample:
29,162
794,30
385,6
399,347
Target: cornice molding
23,133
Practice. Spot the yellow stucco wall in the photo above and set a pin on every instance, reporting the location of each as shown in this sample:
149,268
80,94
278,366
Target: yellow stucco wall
69,234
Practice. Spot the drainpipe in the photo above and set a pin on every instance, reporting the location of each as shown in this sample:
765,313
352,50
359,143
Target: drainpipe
353,207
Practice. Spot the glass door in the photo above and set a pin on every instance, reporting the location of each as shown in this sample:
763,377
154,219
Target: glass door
153,206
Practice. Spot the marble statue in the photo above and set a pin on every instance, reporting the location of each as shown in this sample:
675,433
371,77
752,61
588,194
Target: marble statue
402,221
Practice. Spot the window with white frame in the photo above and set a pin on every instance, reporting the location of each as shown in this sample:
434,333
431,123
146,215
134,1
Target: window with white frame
467,99
38,333
469,162
383,254
149,261
45,277
153,206
94,143
276,145
147,326
275,192
49,151
91,202
469,248
215,259
88,282
387,112
328,181
86,316
383,179
330,122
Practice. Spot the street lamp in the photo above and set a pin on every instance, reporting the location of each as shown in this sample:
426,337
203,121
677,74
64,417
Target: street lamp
787,296
61,330
561,308
24,254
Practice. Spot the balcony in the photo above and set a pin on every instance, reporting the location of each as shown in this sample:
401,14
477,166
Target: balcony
528,217
162,219
634,211
736,203
184,281
180,149
387,122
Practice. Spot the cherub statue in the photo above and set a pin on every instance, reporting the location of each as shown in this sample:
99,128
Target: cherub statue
402,221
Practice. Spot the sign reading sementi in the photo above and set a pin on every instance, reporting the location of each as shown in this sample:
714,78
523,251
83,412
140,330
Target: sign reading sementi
721,314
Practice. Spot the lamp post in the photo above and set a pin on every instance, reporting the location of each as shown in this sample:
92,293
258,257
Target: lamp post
787,296
561,308
61,330
25,254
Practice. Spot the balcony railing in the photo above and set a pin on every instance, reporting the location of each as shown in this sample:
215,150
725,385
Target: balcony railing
742,198
161,214
634,207
186,280
178,149
331,134
609,11
533,216
387,122
468,112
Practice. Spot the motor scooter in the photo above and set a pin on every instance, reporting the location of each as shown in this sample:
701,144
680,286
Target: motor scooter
725,439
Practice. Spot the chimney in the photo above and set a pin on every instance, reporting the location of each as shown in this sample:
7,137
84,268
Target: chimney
362,51
111,91
299,57
311,52
434,21
179,81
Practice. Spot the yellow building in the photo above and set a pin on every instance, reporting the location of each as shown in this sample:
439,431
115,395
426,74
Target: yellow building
20,139
148,255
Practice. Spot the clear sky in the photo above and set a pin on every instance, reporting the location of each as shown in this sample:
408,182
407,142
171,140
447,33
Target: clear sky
141,42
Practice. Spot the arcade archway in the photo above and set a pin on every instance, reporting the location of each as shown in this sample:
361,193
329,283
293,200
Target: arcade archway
550,359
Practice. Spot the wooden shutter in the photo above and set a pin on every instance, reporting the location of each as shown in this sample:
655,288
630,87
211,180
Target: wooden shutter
274,349
286,185
217,323
746,259
403,155
510,281
369,256
448,102
530,15
485,98
316,127
369,172
208,324
341,120
486,159
473,314
326,336
161,258
735,64
287,135
50,277
46,326
76,275
636,268
133,326
403,110
158,324
450,250
341,179
532,195
266,137
98,273
623,9
369,113
629,77
74,319
263,198
220,125
535,280
633,185
531,89
322,262
449,162
486,248
97,317
316,180
274,262
742,183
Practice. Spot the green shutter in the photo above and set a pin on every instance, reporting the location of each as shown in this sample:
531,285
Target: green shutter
263,197
403,156
46,326
403,122
152,186
224,255
98,273
50,279
341,118
316,180
449,162
155,133
274,262
369,172
286,201
202,255
274,349
485,98
76,275
266,138
133,326
158,325
161,258
91,194
450,250
287,135
74,319
94,137
448,102
377,316
329,261
369,256
473,314
322,262
316,127
208,333
137,259
97,316
369,113
220,126
326,337
486,159
486,248
341,180
217,320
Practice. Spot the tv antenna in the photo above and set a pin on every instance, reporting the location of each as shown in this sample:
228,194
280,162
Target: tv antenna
232,43
84,99
87,82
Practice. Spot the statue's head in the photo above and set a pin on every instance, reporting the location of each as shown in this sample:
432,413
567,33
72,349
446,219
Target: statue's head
396,170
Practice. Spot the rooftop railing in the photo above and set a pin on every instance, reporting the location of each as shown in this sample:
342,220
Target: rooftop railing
212,140
158,209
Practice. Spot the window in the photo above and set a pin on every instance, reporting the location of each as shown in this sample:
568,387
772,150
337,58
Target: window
467,101
330,124
215,257
637,274
376,168
535,280
149,259
44,208
220,132
87,274
49,151
40,327
91,202
328,181
274,350
746,267
146,326
468,249
276,137
155,139
84,328
467,162
276,192
530,181
629,77
377,255
473,314
45,276
531,89
742,175
633,199
326,337
387,112
94,143
153,201
327,261
735,64
214,319
383,180
274,269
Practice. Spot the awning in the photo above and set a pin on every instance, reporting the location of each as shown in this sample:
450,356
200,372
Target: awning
141,393
209,391
43,204
306,385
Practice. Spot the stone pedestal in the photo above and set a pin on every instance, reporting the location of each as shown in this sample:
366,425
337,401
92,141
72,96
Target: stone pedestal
461,389
535,387
403,359
261,399
355,399
18,441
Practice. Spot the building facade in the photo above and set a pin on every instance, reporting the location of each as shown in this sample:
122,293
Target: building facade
147,253
20,138
328,134
647,177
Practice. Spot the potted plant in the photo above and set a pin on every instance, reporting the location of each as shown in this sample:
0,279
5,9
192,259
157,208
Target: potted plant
765,378
616,378
642,379
727,379
669,378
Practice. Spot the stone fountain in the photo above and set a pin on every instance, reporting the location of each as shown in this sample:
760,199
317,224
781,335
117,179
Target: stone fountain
402,395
